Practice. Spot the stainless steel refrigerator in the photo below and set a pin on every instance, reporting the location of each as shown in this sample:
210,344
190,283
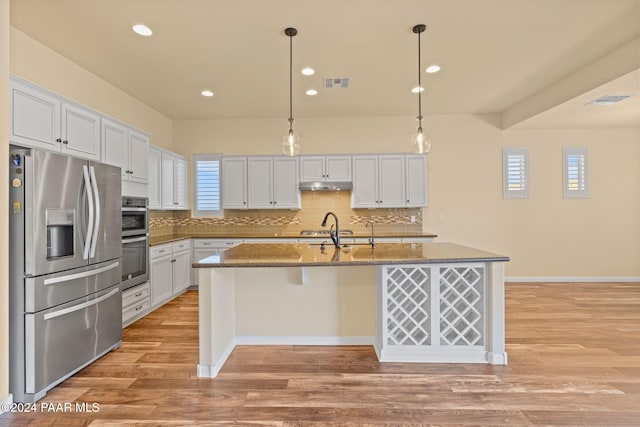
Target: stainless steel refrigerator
64,267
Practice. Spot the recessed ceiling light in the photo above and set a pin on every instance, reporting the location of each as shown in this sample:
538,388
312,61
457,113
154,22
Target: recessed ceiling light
417,89
308,71
206,93
433,69
311,92
143,30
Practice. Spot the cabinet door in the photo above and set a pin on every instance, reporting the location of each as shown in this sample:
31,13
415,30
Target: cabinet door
161,279
285,183
338,168
35,118
180,182
80,132
234,183
200,254
138,157
166,186
312,168
115,148
259,182
181,271
391,181
154,178
416,180
365,182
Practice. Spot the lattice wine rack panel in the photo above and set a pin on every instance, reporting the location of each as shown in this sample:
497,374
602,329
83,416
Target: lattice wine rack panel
462,306
434,306
408,302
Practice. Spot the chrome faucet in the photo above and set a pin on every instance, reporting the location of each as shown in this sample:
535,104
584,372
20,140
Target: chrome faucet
371,241
334,234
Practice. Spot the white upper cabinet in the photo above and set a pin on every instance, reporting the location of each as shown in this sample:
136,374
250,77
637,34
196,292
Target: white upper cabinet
80,132
325,168
127,149
155,172
40,119
389,181
416,187
173,181
234,183
272,183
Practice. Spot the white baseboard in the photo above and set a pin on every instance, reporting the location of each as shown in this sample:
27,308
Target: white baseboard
303,340
6,402
211,371
565,279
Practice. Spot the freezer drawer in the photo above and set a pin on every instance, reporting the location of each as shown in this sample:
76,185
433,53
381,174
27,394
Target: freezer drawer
63,339
43,292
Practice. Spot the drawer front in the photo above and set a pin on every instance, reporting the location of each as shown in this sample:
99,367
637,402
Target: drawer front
183,245
216,243
66,337
160,250
135,295
136,310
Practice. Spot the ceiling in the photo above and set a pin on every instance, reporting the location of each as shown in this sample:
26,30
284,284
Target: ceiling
521,58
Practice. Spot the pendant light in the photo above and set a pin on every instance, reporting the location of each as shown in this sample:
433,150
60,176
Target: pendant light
291,141
421,141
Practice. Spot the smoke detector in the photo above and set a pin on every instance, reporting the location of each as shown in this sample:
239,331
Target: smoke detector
336,82
608,100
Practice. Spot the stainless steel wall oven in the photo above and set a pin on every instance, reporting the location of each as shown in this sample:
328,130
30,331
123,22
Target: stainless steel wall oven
135,242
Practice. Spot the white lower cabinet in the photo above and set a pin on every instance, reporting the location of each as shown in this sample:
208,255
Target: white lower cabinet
136,302
170,266
203,248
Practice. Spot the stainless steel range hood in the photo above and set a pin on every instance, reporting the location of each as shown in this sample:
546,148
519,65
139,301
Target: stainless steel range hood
325,186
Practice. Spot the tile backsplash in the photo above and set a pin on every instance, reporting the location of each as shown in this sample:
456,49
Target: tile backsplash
314,206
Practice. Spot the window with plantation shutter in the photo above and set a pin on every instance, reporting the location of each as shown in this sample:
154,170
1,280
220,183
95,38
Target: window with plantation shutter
515,172
207,185
575,173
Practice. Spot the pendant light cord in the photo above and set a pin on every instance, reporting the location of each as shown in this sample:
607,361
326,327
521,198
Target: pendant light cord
419,82
290,81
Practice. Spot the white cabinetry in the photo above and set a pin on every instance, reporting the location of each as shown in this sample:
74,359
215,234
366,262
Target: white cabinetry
136,302
170,266
170,187
234,183
203,248
127,149
416,188
389,181
272,183
41,119
155,172
325,168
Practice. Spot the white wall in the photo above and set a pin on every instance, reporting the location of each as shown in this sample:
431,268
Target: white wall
545,235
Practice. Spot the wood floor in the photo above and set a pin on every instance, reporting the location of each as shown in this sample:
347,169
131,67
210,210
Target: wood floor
574,359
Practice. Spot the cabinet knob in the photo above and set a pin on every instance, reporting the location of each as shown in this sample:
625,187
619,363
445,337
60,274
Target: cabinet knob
408,201
59,140
65,142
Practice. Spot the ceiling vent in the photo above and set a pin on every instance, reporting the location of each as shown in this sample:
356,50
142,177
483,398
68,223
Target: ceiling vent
608,100
336,82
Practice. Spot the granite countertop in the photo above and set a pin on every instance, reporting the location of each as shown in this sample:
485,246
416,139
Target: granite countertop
158,240
308,255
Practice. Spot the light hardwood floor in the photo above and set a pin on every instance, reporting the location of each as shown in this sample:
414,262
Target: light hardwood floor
574,359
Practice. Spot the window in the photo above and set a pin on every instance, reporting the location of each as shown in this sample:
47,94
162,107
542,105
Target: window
515,172
575,173
206,169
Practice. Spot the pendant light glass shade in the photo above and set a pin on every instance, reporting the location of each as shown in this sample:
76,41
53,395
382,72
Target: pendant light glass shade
421,142
291,140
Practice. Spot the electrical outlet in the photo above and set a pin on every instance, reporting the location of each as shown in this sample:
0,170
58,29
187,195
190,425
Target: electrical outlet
413,218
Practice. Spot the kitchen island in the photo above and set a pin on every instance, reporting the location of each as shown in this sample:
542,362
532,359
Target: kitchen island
432,302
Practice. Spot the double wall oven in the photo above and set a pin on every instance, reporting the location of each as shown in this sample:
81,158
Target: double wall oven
135,242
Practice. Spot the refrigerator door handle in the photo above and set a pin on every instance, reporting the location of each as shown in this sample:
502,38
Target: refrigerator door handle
87,239
69,277
96,226
80,306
